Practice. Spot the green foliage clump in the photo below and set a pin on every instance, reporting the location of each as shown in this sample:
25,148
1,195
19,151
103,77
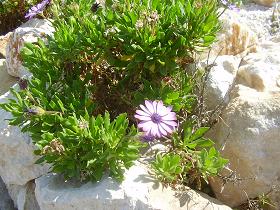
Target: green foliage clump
104,61
193,158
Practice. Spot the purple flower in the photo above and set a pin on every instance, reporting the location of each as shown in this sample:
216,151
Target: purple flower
156,120
23,84
33,11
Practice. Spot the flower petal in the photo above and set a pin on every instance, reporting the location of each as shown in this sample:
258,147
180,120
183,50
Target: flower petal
155,106
146,126
144,118
166,128
170,123
162,110
162,131
170,116
149,106
145,109
155,130
140,112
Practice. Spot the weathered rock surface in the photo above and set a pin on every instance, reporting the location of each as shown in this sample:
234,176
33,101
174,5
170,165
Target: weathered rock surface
24,196
6,81
17,159
6,202
235,37
27,33
267,3
3,44
261,70
250,131
138,191
220,79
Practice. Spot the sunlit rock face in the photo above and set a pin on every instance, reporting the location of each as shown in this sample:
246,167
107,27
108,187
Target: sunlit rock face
267,3
17,163
249,131
27,33
138,191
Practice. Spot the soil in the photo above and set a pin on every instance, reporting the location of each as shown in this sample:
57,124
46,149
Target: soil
10,21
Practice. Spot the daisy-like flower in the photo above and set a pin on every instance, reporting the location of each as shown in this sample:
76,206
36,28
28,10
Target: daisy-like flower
155,119
35,10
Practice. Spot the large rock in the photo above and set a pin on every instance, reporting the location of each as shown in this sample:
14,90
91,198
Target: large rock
267,3
6,81
24,196
27,33
235,37
220,79
250,131
138,191
17,162
3,44
261,70
6,202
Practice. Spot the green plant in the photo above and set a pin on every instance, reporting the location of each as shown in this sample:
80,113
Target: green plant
87,146
196,153
83,147
167,167
104,62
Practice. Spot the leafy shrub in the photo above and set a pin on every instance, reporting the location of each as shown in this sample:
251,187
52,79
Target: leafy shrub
191,157
109,59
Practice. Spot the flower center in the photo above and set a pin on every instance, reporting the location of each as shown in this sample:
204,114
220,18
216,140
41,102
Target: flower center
156,118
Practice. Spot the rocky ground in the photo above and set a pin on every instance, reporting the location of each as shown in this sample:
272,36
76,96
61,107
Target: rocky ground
245,79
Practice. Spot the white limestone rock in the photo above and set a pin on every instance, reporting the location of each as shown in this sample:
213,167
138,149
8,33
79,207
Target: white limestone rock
267,3
250,132
6,81
27,33
261,70
6,202
17,162
24,196
220,79
3,43
138,191
235,37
